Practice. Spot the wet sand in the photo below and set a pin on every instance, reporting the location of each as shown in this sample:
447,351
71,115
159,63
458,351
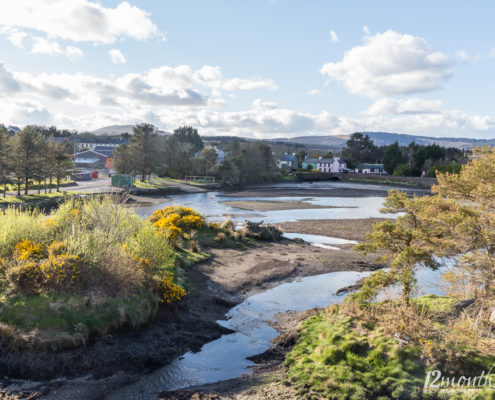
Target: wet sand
261,205
341,228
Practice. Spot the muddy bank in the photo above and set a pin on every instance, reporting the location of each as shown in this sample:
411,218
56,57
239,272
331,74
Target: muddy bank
266,379
215,287
257,205
350,229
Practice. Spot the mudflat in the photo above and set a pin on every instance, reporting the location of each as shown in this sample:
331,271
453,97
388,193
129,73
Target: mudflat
350,229
262,205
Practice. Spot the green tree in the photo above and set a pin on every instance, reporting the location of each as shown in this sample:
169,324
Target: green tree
61,162
26,151
360,148
123,160
392,157
5,158
406,243
145,149
188,134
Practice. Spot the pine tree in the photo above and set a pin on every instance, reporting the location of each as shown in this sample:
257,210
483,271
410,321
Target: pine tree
26,151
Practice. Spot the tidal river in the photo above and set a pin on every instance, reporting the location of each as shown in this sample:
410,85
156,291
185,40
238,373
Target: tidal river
226,357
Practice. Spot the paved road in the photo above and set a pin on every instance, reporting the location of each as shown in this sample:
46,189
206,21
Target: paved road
100,185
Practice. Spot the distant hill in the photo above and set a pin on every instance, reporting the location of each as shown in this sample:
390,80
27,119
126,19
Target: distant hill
114,130
386,138
318,141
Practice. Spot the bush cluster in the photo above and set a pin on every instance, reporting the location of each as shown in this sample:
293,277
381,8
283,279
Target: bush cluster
176,222
95,249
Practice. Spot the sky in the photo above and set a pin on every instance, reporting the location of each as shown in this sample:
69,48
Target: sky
257,68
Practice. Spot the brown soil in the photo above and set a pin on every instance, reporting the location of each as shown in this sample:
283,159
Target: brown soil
341,228
272,205
216,286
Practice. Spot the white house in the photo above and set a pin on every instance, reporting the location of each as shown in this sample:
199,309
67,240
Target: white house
335,164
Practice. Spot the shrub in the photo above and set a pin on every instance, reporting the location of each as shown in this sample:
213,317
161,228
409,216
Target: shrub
220,238
175,222
402,170
194,246
169,291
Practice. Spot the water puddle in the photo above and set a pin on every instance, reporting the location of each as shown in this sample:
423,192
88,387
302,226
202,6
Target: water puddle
324,242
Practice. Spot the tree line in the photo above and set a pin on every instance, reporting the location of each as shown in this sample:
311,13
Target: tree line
30,156
184,153
410,160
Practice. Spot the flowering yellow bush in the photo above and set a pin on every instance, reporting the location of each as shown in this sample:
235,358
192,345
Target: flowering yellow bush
36,267
27,249
169,291
176,222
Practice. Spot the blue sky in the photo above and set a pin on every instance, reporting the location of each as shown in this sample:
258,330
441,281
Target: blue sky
259,68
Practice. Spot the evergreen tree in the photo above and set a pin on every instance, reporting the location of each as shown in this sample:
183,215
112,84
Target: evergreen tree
5,158
392,157
26,152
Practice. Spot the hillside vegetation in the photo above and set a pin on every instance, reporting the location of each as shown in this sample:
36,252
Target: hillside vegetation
94,266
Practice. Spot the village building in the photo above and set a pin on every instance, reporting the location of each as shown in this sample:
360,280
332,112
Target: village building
322,164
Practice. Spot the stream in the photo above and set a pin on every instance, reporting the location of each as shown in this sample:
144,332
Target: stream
226,357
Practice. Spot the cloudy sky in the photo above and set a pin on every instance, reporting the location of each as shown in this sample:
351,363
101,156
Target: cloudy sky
259,68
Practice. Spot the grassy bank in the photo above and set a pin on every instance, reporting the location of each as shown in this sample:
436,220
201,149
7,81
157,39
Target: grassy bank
343,353
94,266
32,198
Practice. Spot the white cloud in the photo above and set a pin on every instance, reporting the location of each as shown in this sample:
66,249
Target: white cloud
78,20
314,92
248,84
117,57
491,54
366,31
173,96
333,37
404,106
465,57
45,46
51,47
388,64
73,53
260,104
13,35
212,77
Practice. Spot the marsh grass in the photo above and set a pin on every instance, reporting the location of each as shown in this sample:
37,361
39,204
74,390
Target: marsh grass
349,352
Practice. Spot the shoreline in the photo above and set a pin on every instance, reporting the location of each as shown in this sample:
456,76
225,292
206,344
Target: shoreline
218,284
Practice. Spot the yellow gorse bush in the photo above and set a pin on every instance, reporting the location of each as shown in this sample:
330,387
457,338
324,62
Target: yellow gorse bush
169,291
36,267
175,222
28,249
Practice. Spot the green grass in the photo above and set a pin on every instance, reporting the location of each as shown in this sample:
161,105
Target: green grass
340,357
34,186
10,199
386,181
188,182
337,358
74,318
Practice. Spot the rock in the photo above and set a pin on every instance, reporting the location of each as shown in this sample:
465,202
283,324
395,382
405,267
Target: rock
260,231
461,305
